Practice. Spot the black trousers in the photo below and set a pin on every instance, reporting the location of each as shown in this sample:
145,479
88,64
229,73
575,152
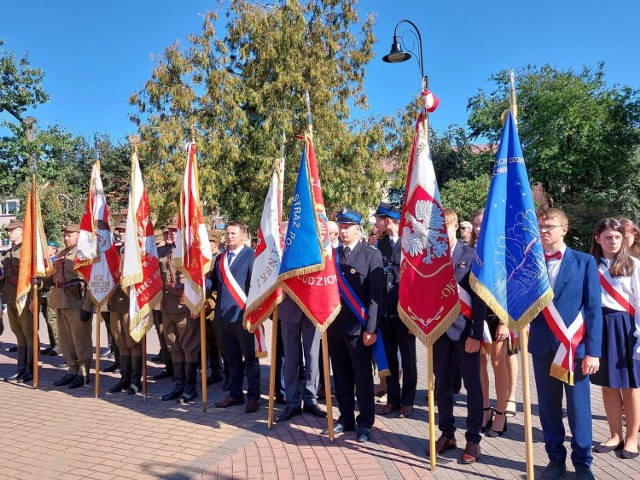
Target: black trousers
446,355
351,361
396,335
239,351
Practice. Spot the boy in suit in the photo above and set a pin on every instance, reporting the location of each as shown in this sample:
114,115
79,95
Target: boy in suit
576,287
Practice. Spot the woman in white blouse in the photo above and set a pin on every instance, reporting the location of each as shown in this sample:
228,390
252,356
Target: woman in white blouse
619,373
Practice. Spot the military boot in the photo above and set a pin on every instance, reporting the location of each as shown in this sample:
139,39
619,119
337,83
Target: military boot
125,375
27,376
178,373
136,376
22,365
190,383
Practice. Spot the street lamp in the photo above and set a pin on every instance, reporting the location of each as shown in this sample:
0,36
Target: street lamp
400,53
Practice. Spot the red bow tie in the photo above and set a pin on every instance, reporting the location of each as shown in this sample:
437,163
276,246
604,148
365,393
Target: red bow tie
549,256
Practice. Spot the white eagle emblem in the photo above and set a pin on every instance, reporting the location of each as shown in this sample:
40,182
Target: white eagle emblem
426,232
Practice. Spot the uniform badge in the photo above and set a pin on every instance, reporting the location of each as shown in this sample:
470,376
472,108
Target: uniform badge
353,271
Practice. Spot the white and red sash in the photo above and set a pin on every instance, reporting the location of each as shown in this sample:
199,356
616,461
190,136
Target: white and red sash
616,295
236,291
569,336
465,302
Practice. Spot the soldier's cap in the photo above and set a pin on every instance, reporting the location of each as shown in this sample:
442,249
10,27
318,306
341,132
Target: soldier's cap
13,224
348,216
122,225
465,224
171,223
71,227
214,236
387,210
53,244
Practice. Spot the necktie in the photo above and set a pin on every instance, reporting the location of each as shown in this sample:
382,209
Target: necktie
393,243
556,255
347,251
230,256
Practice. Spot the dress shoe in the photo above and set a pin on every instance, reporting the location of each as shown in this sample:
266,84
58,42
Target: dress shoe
111,368
288,414
66,380
314,410
252,406
135,387
186,399
14,377
228,402
608,448
214,378
122,384
79,381
491,433
583,472
164,373
628,454
26,377
173,394
340,428
471,453
12,349
54,352
554,471
405,411
45,351
443,444
363,435
388,409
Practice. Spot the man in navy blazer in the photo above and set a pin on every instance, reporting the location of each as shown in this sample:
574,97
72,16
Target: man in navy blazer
460,346
237,343
574,278
349,341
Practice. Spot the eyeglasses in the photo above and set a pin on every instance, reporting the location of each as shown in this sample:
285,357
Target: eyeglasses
548,228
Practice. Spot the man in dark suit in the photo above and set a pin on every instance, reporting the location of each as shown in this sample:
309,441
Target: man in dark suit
231,279
576,287
460,347
395,333
350,340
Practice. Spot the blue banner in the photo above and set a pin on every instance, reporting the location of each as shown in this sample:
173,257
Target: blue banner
302,250
509,271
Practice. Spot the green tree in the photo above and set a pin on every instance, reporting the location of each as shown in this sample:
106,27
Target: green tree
242,88
579,138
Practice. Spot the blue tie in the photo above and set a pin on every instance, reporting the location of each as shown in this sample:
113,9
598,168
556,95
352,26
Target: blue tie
230,256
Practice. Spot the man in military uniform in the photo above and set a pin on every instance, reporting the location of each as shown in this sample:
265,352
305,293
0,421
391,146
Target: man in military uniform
74,310
181,332
163,356
49,314
395,333
350,339
130,351
22,324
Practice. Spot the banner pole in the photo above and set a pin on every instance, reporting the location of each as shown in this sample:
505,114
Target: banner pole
272,373
327,384
432,413
144,367
203,358
96,388
526,395
34,288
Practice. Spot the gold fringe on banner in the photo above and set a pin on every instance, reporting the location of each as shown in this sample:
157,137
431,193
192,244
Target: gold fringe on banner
429,340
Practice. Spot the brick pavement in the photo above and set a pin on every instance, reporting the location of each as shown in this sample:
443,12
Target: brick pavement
57,433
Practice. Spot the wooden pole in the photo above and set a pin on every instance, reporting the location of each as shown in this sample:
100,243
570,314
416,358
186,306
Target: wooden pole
272,373
96,388
432,413
526,407
327,384
203,358
34,288
144,367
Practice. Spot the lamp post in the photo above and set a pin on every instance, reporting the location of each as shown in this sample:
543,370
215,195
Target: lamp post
400,53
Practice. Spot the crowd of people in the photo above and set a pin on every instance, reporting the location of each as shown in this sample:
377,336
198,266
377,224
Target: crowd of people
596,308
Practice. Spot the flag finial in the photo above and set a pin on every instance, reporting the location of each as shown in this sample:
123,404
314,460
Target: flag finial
309,119
134,140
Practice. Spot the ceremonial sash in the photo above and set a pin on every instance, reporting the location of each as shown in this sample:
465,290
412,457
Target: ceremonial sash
465,302
259,336
569,336
616,295
360,311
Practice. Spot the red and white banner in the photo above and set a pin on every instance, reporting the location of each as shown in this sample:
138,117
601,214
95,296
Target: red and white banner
264,292
562,367
43,266
428,294
141,267
97,259
192,254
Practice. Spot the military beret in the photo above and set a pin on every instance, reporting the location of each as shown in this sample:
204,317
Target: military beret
348,216
51,243
387,210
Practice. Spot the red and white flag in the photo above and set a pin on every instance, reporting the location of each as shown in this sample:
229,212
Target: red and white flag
192,254
264,293
97,259
141,268
428,294
34,260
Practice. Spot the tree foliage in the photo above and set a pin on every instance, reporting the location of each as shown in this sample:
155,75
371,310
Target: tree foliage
579,138
241,89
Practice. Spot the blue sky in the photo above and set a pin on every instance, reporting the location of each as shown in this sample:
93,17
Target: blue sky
95,54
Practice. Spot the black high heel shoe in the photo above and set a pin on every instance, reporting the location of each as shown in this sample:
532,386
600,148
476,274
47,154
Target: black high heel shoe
489,423
492,433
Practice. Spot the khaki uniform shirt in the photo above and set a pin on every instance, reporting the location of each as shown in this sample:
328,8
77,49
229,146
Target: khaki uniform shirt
173,282
9,277
68,288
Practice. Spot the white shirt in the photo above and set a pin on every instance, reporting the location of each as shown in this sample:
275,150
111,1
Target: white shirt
629,289
553,266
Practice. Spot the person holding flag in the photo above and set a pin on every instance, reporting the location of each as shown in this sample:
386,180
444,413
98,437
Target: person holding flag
231,279
354,331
